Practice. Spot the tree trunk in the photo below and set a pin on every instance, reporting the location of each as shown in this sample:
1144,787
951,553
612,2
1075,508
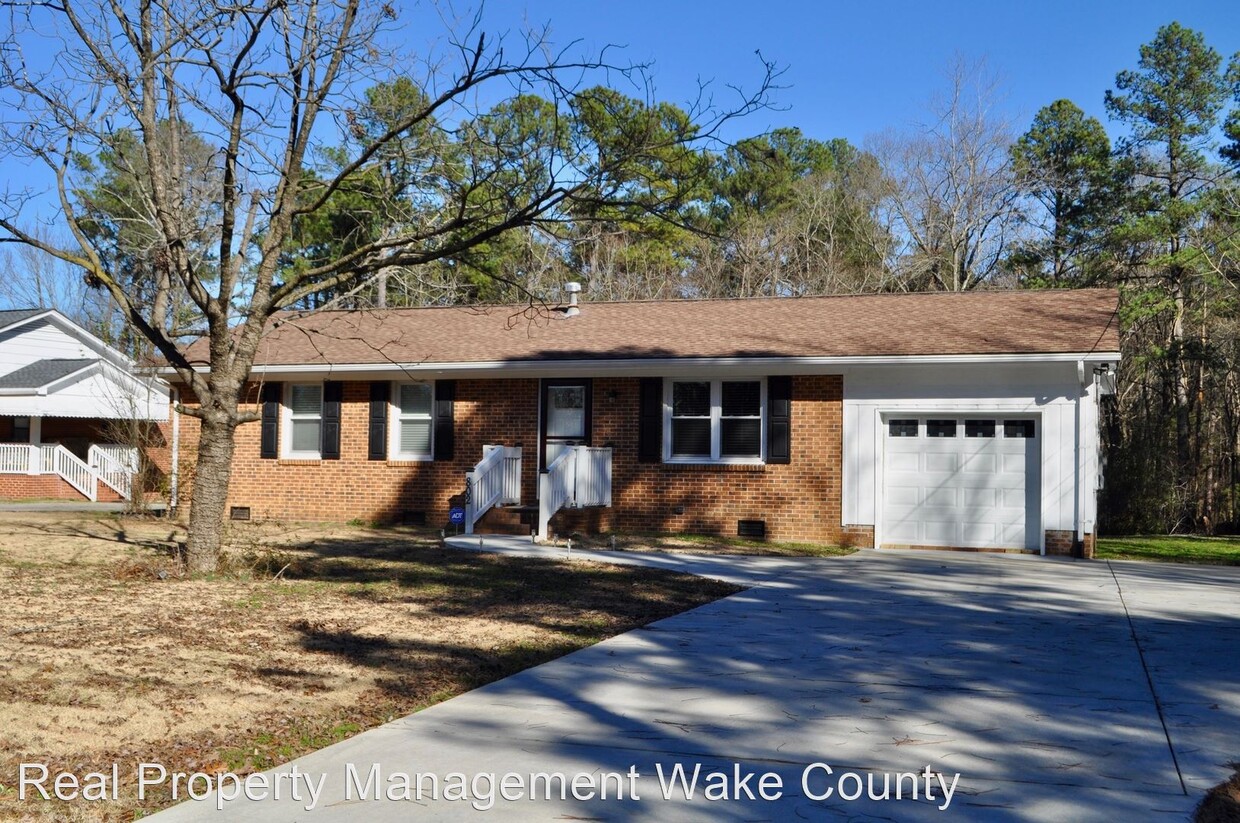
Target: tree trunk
1186,468
206,514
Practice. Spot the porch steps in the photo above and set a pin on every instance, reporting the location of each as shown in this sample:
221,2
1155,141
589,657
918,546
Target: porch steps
516,520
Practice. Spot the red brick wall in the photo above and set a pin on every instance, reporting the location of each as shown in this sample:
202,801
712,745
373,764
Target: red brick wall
486,412
860,537
798,501
1063,543
16,487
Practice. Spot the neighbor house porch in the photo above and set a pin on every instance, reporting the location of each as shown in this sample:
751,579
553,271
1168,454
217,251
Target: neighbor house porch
65,459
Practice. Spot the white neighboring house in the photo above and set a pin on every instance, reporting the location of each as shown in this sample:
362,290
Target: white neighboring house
59,388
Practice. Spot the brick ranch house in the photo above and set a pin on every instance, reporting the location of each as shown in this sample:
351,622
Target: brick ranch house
68,407
902,420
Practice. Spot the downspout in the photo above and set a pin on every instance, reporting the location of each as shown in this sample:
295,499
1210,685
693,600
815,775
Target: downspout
1078,547
176,449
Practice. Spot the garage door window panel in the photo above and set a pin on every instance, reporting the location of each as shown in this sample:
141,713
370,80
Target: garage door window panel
979,428
902,428
1023,429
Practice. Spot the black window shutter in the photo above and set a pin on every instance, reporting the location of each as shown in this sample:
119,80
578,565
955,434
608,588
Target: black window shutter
445,399
379,392
269,445
779,419
333,393
650,421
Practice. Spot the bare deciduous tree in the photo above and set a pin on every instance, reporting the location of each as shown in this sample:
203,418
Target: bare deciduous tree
270,86
952,196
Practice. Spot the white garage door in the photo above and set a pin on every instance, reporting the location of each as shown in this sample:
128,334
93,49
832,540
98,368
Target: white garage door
962,481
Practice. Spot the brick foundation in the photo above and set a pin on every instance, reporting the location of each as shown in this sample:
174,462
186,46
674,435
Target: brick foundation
800,500
1063,544
19,487
858,537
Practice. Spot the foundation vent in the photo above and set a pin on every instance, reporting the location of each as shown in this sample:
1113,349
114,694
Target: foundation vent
754,529
239,513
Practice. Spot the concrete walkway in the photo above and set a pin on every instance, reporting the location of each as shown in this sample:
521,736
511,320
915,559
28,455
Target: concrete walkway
76,506
1057,690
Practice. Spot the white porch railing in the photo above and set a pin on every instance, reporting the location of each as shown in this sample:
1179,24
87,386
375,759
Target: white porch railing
114,466
126,456
496,480
17,458
74,472
105,465
578,478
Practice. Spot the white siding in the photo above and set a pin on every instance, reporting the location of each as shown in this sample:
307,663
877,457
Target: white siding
1050,391
39,340
109,390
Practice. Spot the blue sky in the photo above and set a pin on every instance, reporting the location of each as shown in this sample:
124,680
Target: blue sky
856,68
851,69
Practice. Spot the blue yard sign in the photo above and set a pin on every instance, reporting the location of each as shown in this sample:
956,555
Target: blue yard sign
456,516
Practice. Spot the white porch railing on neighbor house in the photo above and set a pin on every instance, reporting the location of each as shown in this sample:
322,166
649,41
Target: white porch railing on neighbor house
114,466
73,471
578,478
23,458
125,456
495,481
16,458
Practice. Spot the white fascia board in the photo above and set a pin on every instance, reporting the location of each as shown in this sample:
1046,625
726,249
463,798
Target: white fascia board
661,367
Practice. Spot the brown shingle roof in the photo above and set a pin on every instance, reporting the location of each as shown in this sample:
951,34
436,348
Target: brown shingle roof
992,322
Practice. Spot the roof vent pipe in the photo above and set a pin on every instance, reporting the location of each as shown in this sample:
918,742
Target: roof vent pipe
572,289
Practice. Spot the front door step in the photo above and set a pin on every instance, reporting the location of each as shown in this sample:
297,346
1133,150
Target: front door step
528,513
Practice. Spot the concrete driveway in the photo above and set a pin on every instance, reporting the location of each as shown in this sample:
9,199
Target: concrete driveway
1055,689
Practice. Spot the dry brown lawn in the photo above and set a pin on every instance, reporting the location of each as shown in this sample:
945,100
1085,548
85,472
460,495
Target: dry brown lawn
109,655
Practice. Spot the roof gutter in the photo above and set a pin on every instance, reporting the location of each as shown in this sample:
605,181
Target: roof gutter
661,365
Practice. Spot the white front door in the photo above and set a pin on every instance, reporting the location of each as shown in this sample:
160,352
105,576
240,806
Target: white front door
961,481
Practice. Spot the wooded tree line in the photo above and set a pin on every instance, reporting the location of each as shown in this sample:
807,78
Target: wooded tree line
231,166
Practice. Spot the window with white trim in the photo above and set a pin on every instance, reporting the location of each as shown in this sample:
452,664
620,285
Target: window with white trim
412,436
714,421
305,421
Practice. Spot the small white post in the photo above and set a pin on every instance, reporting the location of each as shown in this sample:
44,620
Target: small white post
544,505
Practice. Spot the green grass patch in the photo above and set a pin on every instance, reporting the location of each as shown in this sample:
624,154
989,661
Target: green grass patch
1175,548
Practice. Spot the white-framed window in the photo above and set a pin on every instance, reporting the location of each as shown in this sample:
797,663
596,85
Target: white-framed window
303,403
21,429
412,430
714,421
